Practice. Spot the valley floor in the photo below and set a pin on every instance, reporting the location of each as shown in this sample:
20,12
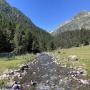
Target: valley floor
45,73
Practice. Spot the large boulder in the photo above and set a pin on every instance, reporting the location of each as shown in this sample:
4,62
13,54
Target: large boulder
73,58
82,71
24,67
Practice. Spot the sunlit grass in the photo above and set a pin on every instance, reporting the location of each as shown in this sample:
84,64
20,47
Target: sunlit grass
15,62
82,52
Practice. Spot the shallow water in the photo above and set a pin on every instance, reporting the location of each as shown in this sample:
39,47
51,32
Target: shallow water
47,75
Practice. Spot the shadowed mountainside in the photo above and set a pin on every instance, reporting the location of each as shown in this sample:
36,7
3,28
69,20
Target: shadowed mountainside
18,33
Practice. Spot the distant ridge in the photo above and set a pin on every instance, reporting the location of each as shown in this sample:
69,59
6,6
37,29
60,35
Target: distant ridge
81,20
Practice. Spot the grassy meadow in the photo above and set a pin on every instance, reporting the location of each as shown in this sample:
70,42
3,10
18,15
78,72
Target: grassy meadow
13,63
83,54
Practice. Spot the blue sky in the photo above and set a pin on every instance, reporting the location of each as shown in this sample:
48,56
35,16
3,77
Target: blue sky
49,14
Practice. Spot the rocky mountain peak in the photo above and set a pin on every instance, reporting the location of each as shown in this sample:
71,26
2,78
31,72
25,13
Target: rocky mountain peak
82,14
81,20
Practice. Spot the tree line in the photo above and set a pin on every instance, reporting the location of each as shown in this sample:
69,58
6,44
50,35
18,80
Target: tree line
18,34
74,38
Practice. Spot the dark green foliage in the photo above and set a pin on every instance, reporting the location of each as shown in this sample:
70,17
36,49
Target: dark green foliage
18,33
74,38
52,45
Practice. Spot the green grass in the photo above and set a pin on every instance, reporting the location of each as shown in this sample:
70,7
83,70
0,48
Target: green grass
82,52
14,63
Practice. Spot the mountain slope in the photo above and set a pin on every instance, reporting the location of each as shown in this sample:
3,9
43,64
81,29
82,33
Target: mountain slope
18,33
75,32
81,20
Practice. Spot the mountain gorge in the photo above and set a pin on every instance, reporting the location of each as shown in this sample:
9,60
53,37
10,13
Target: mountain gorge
18,33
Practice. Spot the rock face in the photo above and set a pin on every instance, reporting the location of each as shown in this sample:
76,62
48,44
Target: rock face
81,20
